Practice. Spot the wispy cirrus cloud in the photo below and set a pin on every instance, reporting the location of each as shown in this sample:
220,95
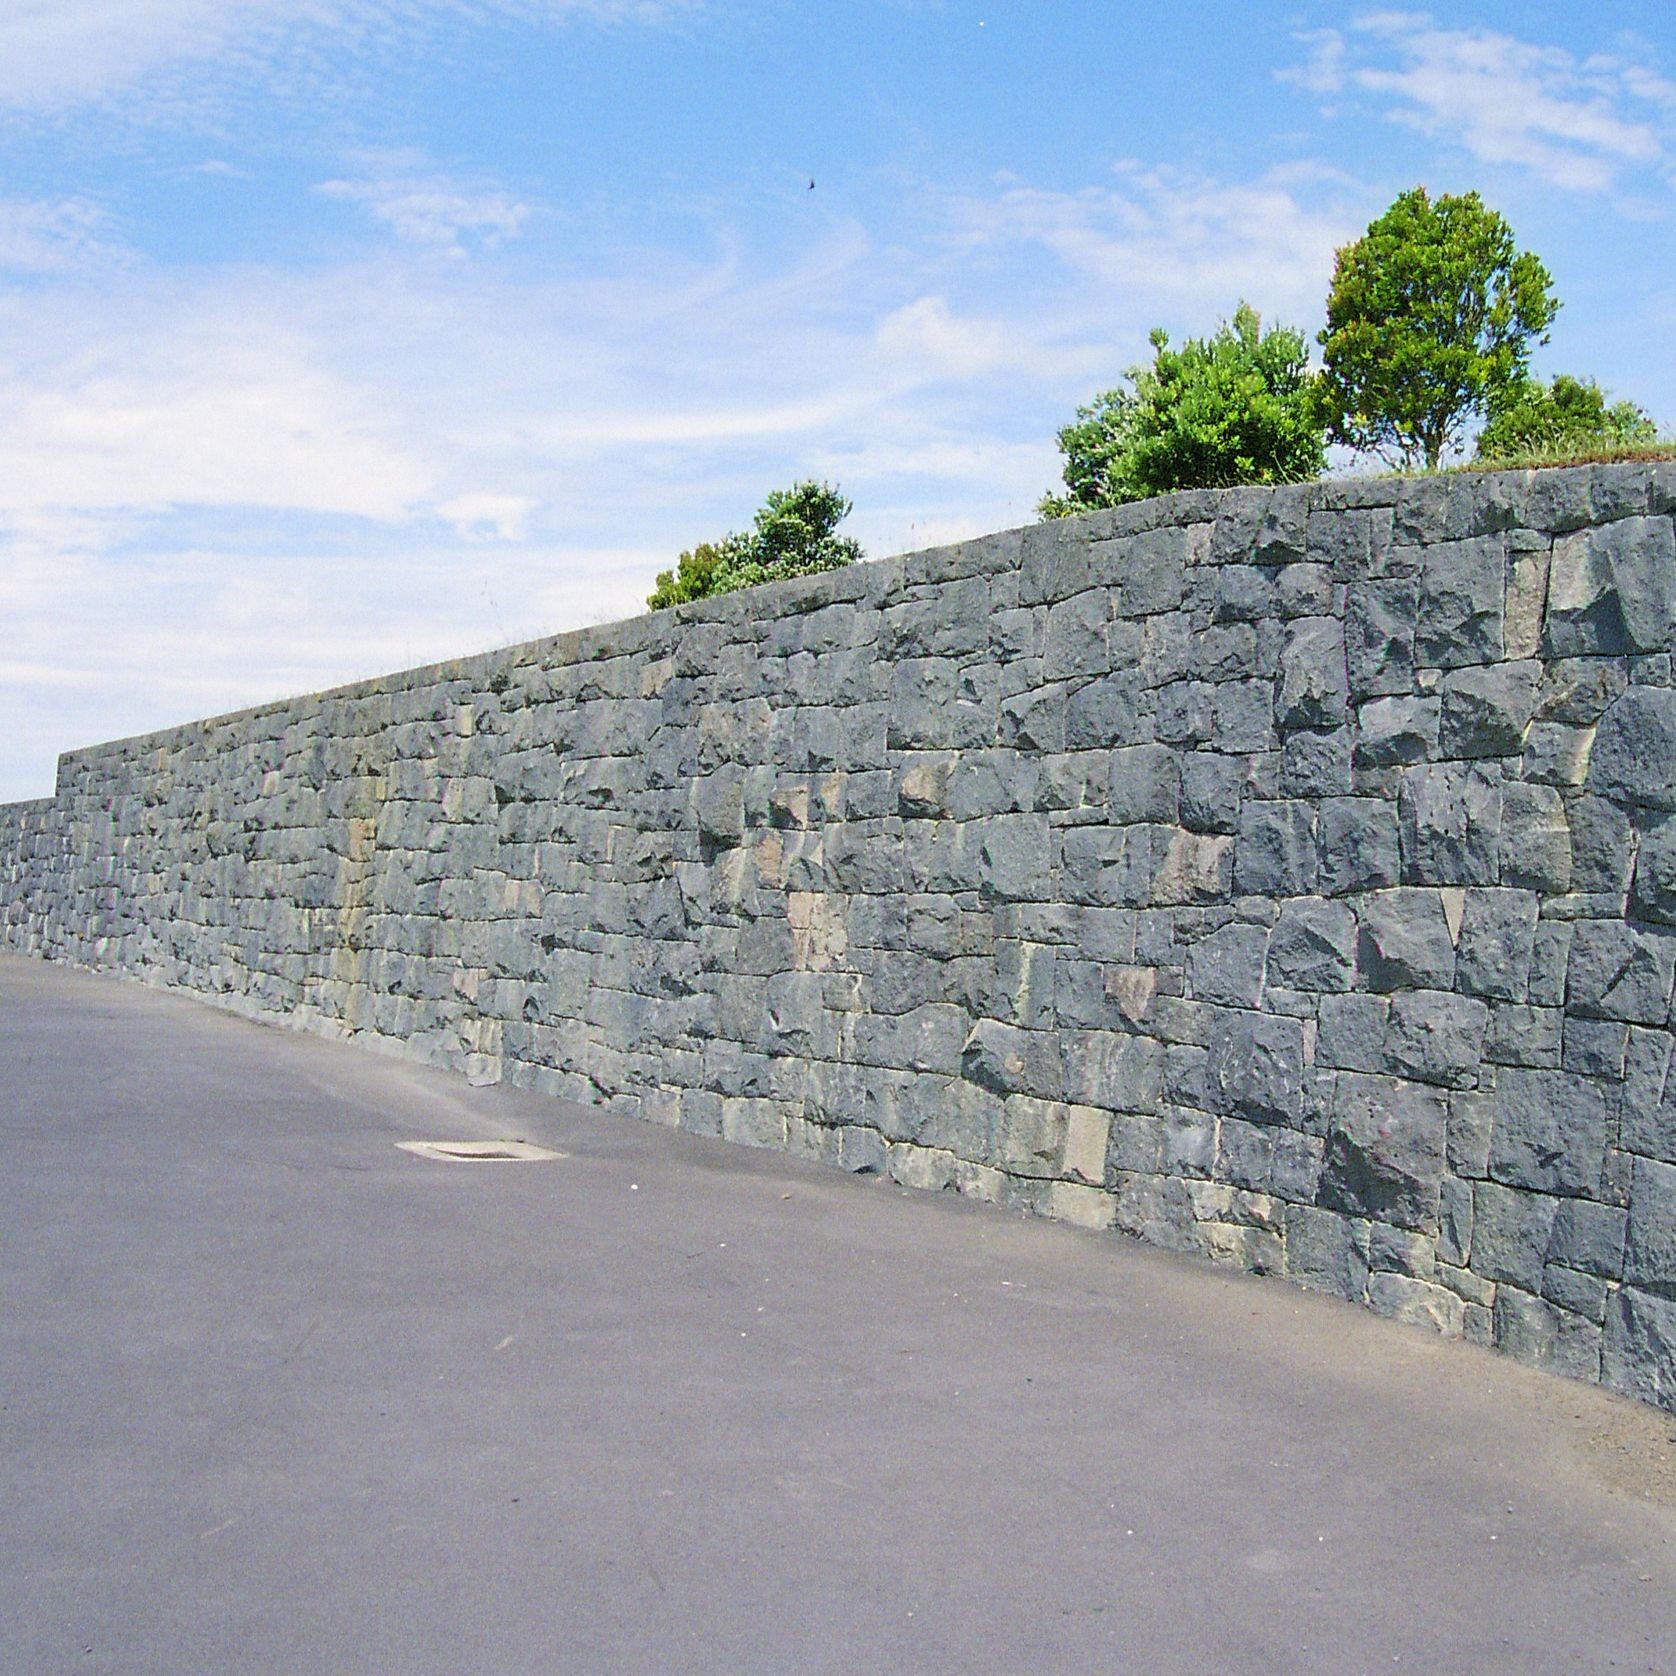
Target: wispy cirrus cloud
59,54
56,236
1175,244
1581,123
423,206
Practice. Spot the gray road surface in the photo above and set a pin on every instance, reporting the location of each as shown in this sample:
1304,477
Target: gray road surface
278,1397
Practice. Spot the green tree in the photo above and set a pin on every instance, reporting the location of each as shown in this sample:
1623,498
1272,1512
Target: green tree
1571,415
793,534
1236,407
1430,320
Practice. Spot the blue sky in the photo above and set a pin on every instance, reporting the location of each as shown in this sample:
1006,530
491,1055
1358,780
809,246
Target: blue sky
340,335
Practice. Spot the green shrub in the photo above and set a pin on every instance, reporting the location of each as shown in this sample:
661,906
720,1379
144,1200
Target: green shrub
1531,420
1236,407
793,534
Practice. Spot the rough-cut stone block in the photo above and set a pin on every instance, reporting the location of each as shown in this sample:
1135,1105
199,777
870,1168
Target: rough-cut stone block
1589,1237
1211,788
1397,731
1313,946
1405,941
1276,853
1550,1131
1493,952
1620,971
1451,818
1511,1230
1351,1032
1486,711
1613,589
1144,785
1416,1303
1227,966
1460,616
1535,840
1380,618
1255,1068
1634,754
1536,1333
1313,690
1650,1245
1638,1355
1436,1037
1359,844
1327,1252
1385,1152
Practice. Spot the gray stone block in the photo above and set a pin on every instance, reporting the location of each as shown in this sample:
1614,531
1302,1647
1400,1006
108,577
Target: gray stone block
1385,1152
1602,844
1395,732
1145,784
1613,589
1313,946
1550,1131
1524,1035
1595,1048
1511,1230
1589,1237
1451,825
1275,854
1653,894
1436,1037
1351,1032
1535,840
1255,1067
1650,1244
1493,953
1461,600
1380,618
1313,690
1327,1252
1540,1335
1416,1303
1638,1355
1454,1229
1227,966
1317,764
1634,754
1486,710
1359,845
1620,971
1404,941
1211,789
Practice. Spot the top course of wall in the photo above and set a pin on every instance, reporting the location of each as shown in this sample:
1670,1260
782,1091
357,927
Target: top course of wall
1285,875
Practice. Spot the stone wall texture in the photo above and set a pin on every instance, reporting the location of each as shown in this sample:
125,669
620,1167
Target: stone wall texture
1283,875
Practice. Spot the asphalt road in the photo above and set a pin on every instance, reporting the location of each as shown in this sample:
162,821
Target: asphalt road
276,1396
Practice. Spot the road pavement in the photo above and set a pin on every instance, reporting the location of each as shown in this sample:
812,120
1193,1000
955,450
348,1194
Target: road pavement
277,1396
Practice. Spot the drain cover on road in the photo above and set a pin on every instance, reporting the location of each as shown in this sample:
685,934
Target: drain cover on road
480,1152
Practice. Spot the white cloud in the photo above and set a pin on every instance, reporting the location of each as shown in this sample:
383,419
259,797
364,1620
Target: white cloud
1576,123
484,515
42,237
60,53
424,207
131,398
1165,243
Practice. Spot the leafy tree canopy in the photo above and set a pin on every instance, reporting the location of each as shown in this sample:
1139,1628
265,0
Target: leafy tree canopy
1236,407
1430,321
1571,415
792,534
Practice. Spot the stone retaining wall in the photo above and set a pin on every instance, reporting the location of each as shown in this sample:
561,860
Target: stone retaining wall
1288,876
